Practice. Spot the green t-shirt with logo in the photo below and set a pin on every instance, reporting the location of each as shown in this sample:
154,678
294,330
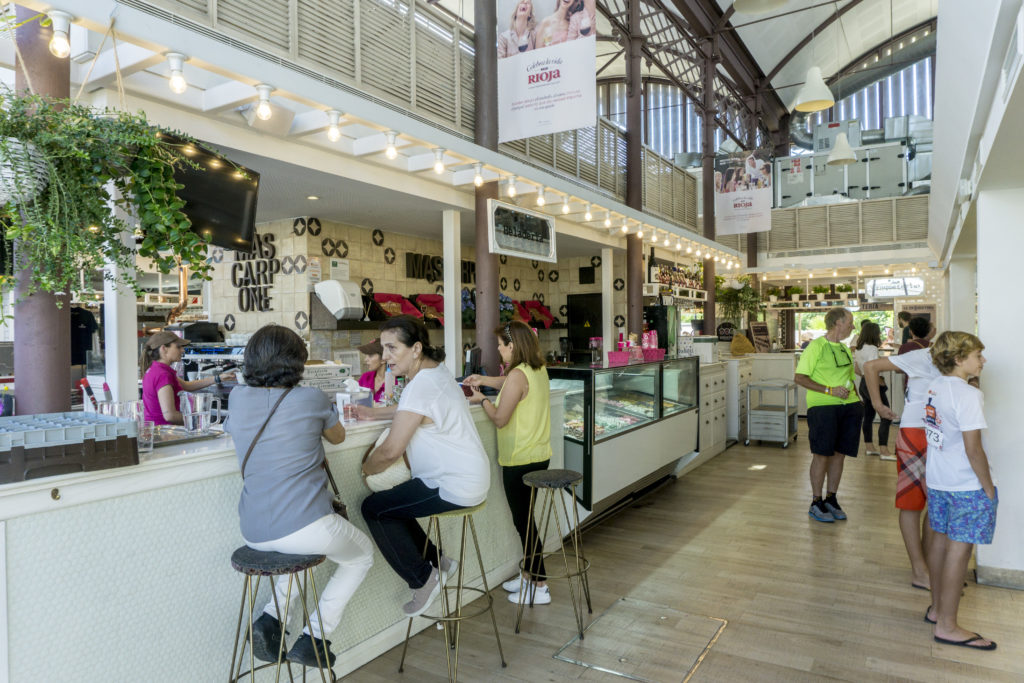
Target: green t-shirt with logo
830,364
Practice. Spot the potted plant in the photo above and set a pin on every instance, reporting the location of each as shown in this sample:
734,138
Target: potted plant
794,292
65,168
845,290
820,291
735,298
773,293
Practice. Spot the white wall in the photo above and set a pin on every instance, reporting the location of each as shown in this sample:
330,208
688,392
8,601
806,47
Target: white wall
1000,326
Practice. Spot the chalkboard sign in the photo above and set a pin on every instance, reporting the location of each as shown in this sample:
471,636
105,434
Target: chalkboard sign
726,331
759,336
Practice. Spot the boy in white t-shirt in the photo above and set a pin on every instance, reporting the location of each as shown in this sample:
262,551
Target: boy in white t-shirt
962,497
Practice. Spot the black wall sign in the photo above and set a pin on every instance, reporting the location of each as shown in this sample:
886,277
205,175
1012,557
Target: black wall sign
252,274
431,268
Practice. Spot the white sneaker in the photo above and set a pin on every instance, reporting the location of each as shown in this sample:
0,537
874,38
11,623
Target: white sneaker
449,567
540,595
514,584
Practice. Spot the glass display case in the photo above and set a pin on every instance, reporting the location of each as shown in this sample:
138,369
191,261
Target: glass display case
629,410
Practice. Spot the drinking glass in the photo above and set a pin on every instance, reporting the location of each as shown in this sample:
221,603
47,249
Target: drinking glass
145,439
197,423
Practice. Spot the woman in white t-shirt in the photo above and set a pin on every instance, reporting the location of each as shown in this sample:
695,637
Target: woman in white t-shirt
450,469
866,351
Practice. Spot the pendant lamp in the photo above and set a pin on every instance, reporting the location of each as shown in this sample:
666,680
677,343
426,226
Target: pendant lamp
757,6
814,95
841,154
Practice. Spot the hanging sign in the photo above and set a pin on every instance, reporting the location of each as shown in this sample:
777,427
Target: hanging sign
515,231
546,81
743,194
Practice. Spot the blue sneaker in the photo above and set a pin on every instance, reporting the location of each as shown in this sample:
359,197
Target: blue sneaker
820,512
832,505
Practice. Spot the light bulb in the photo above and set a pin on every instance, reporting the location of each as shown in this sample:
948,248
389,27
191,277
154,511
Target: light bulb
625,225
860,272
540,196
787,276
886,271
654,236
689,249
60,47
835,273
390,151
607,219
565,205
679,246
478,178
512,186
666,240
640,233
263,110
588,216
697,254
439,160
707,254
333,132
913,270
174,62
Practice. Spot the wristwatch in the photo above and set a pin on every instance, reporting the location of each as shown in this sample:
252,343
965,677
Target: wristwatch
216,378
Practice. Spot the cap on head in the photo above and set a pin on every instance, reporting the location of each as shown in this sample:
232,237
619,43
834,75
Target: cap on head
164,337
372,348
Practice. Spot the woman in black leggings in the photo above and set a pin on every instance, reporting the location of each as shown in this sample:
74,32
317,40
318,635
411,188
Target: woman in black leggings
867,350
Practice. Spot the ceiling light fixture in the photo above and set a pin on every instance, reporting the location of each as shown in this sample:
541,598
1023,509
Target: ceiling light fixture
512,186
679,245
263,110
707,255
640,232
689,249
607,219
860,272
698,252
312,197
588,216
842,154
478,178
333,118
814,95
438,160
60,46
540,196
654,236
625,224
390,151
787,276
666,239
835,273
178,84
565,204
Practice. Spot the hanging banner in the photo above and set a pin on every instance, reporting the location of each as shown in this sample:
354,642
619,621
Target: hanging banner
743,194
546,81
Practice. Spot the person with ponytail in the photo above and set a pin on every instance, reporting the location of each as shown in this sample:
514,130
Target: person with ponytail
450,469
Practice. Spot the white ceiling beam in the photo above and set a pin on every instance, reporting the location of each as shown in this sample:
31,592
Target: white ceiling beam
130,59
230,95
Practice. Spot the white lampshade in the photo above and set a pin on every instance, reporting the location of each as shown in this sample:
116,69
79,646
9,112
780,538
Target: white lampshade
757,6
842,153
814,95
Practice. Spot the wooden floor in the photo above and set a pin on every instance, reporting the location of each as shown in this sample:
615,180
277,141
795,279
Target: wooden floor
804,601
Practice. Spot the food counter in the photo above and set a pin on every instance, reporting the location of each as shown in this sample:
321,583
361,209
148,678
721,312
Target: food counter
133,563
627,425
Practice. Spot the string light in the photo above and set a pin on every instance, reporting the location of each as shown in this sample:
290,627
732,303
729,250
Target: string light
588,216
439,160
333,132
390,151
478,178
540,196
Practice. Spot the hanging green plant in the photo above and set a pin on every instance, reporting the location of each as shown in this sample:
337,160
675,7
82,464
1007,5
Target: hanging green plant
75,181
735,298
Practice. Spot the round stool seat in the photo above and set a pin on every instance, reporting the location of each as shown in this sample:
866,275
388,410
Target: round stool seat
266,563
461,512
551,479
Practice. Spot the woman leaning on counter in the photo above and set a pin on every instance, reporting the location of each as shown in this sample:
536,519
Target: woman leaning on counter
523,418
160,383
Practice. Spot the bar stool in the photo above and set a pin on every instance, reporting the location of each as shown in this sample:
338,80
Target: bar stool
256,563
551,483
451,618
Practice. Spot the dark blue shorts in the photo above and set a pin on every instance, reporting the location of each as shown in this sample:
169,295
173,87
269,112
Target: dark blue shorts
965,516
835,429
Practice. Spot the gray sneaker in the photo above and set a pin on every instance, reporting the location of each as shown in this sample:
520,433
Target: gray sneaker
819,512
423,596
448,568
832,505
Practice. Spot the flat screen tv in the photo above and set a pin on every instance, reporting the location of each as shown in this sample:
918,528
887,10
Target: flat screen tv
220,197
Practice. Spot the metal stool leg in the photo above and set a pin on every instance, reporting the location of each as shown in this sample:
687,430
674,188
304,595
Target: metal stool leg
577,540
320,621
283,621
577,607
529,542
487,591
303,586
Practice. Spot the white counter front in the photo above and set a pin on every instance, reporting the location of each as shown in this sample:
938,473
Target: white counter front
124,574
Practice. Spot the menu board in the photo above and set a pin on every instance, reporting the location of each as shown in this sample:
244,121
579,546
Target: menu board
759,336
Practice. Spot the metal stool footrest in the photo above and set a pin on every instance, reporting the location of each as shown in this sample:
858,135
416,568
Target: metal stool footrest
464,615
570,556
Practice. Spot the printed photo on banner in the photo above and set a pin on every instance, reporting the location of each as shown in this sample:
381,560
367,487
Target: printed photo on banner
546,54
743,193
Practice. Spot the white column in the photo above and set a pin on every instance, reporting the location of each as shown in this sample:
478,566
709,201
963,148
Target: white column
1000,327
120,335
452,244
961,294
607,300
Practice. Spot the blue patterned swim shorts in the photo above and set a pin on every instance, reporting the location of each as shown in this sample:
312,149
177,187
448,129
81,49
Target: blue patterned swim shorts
965,516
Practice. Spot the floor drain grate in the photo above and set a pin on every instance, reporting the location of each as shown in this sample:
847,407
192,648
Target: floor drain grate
644,642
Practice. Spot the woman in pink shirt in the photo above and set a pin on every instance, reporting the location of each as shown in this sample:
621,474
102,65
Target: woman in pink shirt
160,383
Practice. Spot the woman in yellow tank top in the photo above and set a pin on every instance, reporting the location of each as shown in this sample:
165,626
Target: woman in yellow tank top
522,415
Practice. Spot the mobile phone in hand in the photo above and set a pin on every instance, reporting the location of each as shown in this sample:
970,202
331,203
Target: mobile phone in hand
467,390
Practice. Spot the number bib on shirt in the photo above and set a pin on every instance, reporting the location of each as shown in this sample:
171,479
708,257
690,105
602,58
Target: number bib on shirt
934,436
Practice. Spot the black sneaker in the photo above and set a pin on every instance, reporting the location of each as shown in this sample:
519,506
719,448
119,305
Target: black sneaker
266,638
303,653
832,505
820,512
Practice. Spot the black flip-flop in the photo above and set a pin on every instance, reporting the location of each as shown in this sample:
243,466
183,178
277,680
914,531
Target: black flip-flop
920,587
967,643
930,621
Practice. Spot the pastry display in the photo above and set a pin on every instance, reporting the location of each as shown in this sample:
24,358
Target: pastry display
632,401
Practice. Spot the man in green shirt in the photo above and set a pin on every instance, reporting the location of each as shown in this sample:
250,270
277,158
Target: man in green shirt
834,412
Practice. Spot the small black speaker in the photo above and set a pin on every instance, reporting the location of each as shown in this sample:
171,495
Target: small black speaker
587,275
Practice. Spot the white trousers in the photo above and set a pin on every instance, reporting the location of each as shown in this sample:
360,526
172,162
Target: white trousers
345,545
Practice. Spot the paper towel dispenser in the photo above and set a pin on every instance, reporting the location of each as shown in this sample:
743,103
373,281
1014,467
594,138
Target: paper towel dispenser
341,297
